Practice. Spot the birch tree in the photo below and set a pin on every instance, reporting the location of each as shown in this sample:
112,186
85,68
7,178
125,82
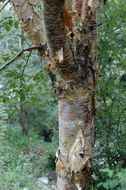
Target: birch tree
66,33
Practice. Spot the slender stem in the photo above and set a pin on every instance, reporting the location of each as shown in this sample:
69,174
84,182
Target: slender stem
4,6
22,73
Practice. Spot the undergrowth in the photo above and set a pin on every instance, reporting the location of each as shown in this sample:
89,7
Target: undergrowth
23,159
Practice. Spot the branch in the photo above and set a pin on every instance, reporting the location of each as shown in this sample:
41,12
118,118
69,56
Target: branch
22,73
20,54
26,64
4,6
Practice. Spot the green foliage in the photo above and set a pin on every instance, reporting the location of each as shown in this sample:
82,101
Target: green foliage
113,180
23,159
8,23
110,149
25,84
2,1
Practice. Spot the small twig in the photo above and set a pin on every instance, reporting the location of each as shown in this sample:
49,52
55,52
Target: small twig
22,73
106,18
20,53
4,6
96,25
26,64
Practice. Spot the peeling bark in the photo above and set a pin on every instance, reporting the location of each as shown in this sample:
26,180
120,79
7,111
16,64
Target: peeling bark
76,136
30,21
69,28
54,27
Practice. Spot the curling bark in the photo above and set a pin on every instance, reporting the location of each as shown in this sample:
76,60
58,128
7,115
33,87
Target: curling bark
68,27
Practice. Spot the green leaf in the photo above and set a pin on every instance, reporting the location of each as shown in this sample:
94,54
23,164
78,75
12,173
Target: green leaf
11,74
16,24
8,28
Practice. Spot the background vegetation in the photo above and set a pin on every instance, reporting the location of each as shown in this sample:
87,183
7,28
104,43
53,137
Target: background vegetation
28,107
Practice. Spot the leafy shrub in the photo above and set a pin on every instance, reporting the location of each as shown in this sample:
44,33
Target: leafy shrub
113,180
23,159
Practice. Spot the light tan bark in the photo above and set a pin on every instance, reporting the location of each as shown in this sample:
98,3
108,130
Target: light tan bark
30,20
69,29
76,139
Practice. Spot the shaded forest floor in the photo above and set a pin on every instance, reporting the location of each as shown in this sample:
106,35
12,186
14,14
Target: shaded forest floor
26,162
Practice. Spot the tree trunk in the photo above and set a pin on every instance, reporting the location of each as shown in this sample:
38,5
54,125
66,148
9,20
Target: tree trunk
69,30
76,139
23,116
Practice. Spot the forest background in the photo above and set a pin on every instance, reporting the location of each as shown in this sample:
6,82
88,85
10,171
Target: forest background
28,107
